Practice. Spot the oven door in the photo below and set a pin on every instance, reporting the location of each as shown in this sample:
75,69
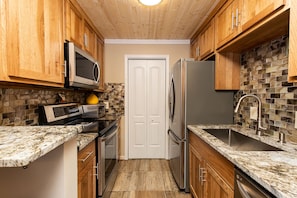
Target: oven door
107,160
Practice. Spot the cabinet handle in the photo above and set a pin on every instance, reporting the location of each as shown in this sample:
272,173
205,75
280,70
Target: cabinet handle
89,154
96,168
201,175
232,21
237,16
86,40
198,51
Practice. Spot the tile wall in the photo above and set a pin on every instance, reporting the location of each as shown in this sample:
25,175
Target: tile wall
114,95
19,107
264,72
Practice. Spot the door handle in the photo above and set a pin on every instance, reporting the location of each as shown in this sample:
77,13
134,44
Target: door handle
175,138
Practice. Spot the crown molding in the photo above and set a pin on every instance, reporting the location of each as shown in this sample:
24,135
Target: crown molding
147,41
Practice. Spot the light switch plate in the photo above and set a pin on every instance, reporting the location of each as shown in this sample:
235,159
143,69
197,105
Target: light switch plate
295,119
106,105
253,113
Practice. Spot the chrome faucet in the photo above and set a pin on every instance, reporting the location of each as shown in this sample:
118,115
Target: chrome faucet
258,132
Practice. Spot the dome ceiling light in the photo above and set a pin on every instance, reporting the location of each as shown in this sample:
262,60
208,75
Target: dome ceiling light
150,2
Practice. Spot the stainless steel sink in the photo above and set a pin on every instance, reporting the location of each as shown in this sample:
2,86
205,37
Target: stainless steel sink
239,141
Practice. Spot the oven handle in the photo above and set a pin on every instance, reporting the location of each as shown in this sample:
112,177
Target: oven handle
110,136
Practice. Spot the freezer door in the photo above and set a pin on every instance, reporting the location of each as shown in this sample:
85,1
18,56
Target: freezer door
176,162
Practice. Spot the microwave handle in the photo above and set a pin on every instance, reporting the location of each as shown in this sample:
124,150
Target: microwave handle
96,66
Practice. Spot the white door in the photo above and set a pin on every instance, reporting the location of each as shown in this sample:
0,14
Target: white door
146,88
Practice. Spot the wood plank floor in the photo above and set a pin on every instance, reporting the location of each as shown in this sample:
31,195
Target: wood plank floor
145,179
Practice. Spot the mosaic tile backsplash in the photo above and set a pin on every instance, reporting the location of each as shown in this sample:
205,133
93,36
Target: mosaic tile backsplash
114,95
19,107
264,72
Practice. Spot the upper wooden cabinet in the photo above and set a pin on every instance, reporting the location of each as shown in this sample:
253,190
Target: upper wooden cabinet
32,50
100,58
74,24
227,24
237,16
78,28
89,39
253,11
206,40
292,65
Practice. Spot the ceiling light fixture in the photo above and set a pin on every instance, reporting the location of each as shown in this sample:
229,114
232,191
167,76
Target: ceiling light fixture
150,2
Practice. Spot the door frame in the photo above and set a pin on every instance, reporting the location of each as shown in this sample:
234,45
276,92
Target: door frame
145,57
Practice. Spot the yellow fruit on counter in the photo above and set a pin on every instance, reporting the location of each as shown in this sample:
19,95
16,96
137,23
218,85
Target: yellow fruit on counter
92,99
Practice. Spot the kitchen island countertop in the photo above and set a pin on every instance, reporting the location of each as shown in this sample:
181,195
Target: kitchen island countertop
21,145
274,170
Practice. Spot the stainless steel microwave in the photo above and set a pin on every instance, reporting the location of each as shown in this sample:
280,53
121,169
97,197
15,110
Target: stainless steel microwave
81,69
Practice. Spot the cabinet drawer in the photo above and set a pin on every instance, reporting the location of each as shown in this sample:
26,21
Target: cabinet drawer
86,155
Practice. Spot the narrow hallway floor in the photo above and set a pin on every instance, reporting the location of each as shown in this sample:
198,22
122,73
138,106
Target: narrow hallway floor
146,179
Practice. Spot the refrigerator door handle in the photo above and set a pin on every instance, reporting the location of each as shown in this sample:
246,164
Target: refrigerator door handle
171,99
174,137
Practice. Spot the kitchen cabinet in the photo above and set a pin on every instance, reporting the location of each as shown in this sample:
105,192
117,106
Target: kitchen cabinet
227,71
211,174
73,23
227,25
32,42
89,39
87,172
206,41
292,65
252,11
100,60
78,28
196,163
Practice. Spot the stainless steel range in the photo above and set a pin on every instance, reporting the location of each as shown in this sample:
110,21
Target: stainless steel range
93,120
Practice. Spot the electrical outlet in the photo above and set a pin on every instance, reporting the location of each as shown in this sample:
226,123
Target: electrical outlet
106,105
253,113
295,119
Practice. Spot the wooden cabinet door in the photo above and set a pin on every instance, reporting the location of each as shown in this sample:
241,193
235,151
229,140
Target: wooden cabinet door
292,65
227,23
206,40
87,181
196,164
227,71
34,40
87,172
89,39
215,185
100,59
255,10
74,24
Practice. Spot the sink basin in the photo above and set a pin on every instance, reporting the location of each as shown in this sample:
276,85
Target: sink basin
239,141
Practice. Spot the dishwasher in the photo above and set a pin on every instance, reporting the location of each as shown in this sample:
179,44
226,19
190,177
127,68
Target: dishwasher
246,187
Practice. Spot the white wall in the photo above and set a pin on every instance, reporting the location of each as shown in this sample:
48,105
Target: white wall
114,56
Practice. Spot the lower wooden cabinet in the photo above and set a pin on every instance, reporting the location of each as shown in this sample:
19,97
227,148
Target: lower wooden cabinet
87,172
211,174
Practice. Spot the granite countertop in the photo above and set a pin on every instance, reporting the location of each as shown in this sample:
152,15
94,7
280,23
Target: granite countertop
83,139
274,170
21,145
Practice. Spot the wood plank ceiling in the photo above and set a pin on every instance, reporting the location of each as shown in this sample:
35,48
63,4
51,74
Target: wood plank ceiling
128,19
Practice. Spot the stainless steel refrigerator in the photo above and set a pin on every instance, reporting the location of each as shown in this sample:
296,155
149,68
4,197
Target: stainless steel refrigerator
193,100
